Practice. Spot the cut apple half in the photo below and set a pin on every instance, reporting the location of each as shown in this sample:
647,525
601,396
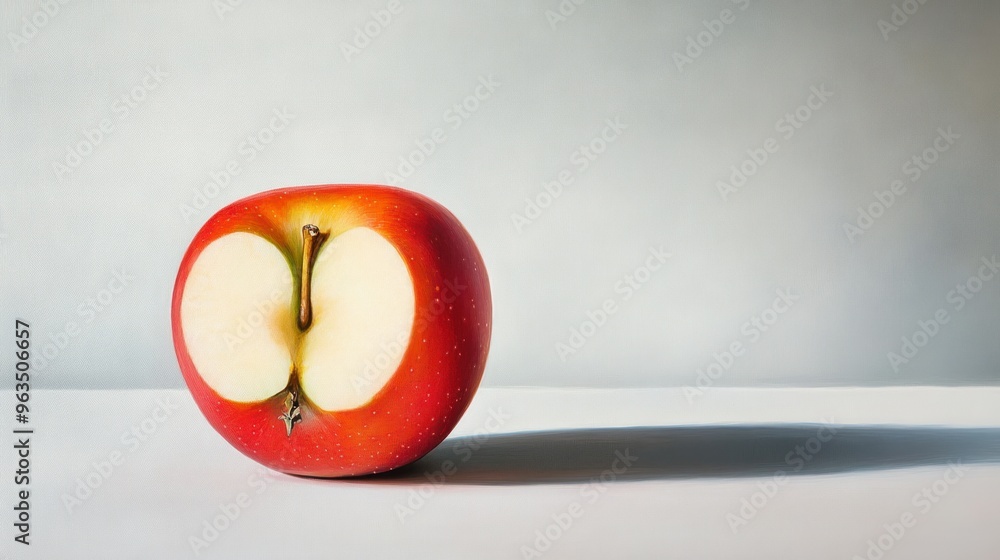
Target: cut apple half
336,336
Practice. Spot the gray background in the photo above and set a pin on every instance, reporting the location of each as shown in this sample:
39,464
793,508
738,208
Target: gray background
63,235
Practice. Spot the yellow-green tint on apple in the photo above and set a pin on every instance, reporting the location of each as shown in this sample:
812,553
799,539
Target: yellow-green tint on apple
240,327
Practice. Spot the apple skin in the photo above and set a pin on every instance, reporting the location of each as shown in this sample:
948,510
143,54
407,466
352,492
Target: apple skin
440,369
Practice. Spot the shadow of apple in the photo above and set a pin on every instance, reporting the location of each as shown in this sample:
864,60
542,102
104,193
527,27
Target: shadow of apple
651,453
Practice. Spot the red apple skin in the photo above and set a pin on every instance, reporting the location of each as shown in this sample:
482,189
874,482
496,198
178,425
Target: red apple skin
440,370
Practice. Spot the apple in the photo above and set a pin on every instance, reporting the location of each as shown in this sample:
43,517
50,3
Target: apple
332,330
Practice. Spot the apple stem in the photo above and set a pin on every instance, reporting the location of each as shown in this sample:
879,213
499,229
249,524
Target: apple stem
311,240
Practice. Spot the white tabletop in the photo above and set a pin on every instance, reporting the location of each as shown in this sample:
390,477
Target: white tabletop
697,480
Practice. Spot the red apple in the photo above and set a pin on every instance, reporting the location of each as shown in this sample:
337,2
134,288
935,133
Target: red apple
334,330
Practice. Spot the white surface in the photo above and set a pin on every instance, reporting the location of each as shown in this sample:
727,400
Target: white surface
169,485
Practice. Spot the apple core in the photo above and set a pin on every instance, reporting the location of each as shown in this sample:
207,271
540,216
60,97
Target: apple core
355,296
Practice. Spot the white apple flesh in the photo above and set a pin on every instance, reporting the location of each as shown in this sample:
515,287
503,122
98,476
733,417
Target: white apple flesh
362,298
